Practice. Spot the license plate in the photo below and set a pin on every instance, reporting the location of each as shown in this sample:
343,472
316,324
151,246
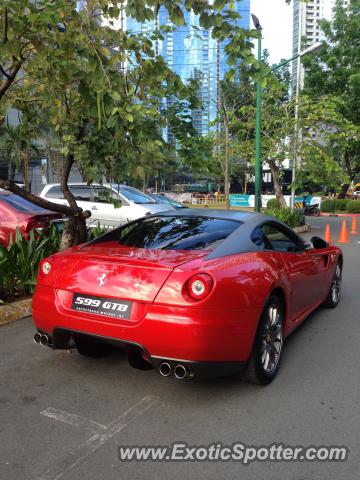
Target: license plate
102,306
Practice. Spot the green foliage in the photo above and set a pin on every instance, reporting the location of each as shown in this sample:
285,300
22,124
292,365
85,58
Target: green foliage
340,205
292,218
97,231
278,142
353,206
328,205
273,204
334,72
334,205
109,119
19,262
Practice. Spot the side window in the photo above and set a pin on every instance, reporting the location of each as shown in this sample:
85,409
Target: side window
104,195
81,192
280,240
259,238
55,192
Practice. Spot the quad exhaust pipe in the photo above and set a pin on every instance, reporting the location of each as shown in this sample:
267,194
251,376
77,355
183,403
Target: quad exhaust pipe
37,337
165,369
179,371
42,339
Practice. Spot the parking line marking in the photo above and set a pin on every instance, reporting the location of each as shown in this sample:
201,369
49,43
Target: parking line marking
71,419
87,448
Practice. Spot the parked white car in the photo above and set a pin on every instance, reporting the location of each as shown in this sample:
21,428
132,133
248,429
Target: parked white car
96,198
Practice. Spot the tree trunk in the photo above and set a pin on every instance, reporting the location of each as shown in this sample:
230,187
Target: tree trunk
25,168
277,183
76,225
349,171
344,190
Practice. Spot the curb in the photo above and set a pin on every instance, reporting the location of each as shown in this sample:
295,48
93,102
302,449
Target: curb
323,214
15,311
302,229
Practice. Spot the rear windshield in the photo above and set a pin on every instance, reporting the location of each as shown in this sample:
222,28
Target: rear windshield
20,204
176,233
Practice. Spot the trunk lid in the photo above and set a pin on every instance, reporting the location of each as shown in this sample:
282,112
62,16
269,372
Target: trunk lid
114,271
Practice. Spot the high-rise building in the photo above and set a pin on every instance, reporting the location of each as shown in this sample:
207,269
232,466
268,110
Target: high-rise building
306,29
191,52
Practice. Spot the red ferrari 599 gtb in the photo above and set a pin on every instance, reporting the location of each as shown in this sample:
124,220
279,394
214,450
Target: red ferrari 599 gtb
189,292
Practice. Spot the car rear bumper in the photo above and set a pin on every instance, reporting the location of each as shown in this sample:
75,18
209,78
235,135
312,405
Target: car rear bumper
162,332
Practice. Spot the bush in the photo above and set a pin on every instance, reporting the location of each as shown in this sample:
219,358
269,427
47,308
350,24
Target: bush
334,205
273,203
292,218
19,262
328,205
353,206
341,204
97,231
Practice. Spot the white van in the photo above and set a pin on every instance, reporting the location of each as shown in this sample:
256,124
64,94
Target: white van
134,204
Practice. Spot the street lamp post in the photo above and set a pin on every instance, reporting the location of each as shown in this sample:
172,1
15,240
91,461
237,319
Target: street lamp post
258,123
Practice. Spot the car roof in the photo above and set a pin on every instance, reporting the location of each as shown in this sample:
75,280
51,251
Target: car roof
82,184
237,215
239,241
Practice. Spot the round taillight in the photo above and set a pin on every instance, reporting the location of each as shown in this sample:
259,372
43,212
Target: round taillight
46,267
199,286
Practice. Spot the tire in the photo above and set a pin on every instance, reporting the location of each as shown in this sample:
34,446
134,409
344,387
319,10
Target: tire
91,347
268,345
334,294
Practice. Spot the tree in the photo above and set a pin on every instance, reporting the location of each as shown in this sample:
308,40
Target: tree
278,126
108,119
334,72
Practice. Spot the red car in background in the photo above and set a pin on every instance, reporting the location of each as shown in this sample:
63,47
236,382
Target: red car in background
15,212
188,292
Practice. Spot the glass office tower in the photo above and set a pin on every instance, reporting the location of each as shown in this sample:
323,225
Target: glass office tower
192,53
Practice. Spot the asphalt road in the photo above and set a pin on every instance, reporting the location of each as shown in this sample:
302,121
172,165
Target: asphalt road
63,416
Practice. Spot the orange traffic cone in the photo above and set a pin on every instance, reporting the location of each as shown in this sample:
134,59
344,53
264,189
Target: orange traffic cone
344,237
327,236
354,228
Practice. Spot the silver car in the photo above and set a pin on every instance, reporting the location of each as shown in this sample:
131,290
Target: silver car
130,203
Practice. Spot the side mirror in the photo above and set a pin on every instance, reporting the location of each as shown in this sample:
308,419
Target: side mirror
319,243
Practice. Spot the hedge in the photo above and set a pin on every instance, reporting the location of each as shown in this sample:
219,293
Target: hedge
353,206
340,205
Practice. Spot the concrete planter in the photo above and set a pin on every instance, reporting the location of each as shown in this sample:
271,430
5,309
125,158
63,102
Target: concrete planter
14,311
302,229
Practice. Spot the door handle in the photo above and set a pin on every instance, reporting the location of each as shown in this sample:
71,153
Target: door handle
93,208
